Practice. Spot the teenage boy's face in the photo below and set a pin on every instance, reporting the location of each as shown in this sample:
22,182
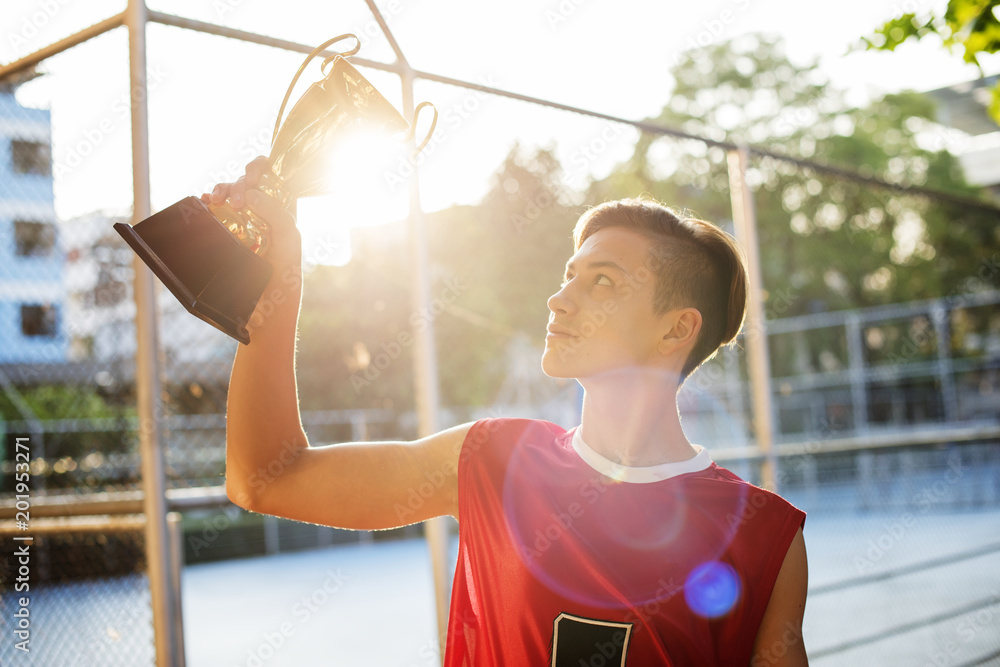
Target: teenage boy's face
602,316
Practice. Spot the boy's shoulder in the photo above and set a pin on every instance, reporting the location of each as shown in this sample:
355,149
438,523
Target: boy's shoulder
747,501
497,428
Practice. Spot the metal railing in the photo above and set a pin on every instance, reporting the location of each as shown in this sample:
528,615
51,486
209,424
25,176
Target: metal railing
156,502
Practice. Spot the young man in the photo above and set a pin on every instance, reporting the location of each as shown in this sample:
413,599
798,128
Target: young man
614,542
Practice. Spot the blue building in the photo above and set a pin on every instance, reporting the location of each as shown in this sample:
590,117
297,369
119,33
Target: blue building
32,327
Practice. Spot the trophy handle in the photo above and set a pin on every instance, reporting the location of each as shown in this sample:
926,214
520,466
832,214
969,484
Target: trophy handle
319,49
357,47
413,127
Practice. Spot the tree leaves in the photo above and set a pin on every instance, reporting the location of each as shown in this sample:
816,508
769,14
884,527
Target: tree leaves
836,243
973,25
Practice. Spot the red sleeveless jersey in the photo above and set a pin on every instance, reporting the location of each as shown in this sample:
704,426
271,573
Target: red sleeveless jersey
566,559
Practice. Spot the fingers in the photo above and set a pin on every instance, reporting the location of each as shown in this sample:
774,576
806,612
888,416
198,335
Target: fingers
257,167
219,194
209,197
236,192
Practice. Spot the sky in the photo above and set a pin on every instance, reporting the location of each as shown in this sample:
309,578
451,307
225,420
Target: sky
212,101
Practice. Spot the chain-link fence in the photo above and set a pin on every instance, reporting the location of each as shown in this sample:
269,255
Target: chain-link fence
84,582
884,408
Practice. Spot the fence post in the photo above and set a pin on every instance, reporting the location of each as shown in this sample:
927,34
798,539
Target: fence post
176,527
272,538
945,369
758,364
856,365
147,375
426,377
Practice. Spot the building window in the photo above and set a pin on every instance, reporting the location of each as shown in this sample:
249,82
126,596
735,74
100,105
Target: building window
38,320
31,157
34,239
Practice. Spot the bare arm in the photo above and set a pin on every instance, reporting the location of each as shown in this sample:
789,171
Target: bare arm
270,467
779,639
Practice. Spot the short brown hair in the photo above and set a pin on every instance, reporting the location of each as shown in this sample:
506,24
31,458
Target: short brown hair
696,264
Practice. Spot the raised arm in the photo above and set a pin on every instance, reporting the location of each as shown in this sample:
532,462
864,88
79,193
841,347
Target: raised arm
270,467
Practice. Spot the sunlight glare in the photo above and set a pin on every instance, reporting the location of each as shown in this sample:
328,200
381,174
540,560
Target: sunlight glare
367,182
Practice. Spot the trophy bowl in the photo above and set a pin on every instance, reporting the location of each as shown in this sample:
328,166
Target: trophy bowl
211,257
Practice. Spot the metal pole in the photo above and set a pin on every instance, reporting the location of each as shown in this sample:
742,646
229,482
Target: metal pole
856,365
38,56
147,353
255,38
176,527
758,364
945,370
652,128
425,376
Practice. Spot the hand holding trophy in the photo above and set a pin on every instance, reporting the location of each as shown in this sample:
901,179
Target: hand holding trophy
284,241
211,255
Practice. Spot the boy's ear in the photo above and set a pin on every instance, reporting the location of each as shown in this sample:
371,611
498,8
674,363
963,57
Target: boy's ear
682,326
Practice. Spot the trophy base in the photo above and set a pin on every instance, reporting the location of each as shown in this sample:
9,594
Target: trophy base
212,274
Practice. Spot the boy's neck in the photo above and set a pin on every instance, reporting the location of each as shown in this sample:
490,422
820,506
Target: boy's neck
630,417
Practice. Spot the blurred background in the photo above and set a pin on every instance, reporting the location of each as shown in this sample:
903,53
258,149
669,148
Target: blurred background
875,175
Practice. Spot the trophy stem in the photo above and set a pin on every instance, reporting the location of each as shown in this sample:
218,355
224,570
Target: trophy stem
272,185
248,227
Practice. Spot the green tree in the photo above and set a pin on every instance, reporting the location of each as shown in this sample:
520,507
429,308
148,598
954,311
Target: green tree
510,252
350,315
51,401
972,25
827,243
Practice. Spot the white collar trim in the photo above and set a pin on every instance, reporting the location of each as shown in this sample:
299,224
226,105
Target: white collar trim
642,474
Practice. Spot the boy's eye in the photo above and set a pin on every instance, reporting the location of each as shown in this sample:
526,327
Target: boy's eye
600,279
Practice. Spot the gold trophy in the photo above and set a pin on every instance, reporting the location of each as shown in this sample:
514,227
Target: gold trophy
212,257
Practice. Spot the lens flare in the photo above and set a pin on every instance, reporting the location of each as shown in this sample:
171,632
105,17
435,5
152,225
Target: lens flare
712,589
